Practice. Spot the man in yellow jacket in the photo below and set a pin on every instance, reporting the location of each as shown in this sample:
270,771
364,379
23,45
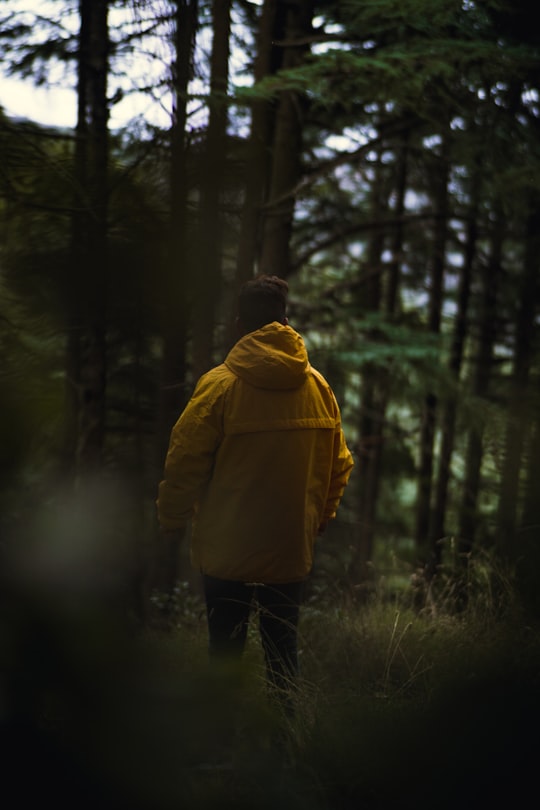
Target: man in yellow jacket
258,462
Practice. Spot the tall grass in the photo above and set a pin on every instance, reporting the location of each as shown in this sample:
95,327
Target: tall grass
401,703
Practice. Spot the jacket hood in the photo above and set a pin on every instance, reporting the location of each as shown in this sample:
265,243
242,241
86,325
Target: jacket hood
273,357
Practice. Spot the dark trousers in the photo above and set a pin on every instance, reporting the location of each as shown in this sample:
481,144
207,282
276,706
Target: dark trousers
229,605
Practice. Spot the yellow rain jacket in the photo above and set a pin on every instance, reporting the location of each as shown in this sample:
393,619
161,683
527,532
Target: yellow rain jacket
258,460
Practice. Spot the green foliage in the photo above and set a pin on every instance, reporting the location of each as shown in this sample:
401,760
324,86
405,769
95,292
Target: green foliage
31,406
390,89
417,52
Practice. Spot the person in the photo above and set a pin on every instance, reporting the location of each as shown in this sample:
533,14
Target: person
258,461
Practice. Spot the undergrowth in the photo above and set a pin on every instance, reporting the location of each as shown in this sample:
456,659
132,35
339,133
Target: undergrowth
401,703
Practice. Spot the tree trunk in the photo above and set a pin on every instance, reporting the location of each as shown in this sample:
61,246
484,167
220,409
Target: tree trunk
530,516
484,360
375,385
527,545
258,151
86,350
425,469
394,269
448,418
519,411
370,421
274,257
176,273
176,287
207,273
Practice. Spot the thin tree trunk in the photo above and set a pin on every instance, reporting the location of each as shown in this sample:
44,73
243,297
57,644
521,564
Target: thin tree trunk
207,274
519,410
527,546
258,156
86,350
425,468
176,287
448,418
176,273
530,516
370,428
376,388
394,269
484,361
274,254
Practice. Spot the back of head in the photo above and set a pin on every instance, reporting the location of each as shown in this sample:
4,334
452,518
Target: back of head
262,300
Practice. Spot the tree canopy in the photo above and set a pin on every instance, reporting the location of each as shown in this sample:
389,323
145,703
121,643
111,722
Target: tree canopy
383,156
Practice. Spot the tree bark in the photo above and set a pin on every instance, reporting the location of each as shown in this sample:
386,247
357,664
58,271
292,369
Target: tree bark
394,269
427,433
274,256
530,515
370,419
519,410
176,272
448,417
376,382
259,146
490,275
175,289
86,348
207,273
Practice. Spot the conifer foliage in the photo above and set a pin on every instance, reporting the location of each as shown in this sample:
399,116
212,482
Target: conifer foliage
383,156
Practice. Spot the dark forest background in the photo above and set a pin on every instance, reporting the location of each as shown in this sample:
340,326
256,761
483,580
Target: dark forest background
382,156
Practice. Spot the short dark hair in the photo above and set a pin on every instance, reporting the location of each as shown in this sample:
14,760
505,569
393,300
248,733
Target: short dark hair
262,300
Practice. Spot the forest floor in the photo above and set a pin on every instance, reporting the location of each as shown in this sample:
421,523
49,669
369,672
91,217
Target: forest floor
395,708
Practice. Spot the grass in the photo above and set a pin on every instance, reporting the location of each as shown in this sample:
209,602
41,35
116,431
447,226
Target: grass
396,707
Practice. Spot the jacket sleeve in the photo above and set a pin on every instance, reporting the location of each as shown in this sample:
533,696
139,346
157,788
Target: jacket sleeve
194,441
342,464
